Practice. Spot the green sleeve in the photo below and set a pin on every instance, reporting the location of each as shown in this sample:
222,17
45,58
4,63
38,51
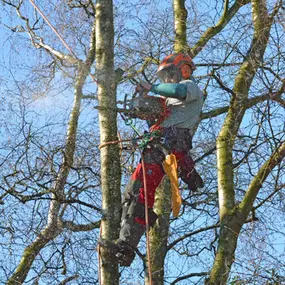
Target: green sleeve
173,90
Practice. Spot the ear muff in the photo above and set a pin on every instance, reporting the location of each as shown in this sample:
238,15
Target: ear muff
185,71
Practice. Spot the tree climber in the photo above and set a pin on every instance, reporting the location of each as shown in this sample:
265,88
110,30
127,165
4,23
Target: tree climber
183,100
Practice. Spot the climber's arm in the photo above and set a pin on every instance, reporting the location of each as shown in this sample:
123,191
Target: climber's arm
173,90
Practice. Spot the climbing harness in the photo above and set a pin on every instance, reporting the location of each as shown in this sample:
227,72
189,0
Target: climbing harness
143,139
169,164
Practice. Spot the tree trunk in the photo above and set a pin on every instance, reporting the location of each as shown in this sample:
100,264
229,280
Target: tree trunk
159,233
53,227
229,231
233,217
180,21
110,157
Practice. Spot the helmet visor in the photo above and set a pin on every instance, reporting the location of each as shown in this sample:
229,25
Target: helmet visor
167,73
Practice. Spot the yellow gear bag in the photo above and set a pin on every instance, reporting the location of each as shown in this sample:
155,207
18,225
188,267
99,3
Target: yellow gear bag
170,168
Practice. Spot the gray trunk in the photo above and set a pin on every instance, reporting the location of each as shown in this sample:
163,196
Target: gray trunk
110,157
159,233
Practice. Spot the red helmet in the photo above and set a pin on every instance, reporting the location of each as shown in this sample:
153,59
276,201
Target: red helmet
173,62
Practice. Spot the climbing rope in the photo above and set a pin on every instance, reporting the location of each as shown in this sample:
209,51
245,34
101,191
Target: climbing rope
146,220
58,35
99,259
144,140
118,141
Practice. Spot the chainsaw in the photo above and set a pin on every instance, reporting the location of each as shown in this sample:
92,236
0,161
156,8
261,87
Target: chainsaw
145,107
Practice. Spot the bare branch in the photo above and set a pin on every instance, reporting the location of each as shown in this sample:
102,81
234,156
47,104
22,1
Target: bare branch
228,14
171,245
68,279
259,178
198,274
70,225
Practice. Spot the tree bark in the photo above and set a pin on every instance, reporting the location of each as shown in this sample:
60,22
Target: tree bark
229,231
110,156
233,217
234,220
227,15
159,233
53,227
180,25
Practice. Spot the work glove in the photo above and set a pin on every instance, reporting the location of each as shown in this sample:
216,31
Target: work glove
143,86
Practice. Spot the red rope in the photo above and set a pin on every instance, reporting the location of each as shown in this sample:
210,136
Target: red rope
99,259
146,220
115,142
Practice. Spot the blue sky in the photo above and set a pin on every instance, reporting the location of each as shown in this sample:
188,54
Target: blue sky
56,103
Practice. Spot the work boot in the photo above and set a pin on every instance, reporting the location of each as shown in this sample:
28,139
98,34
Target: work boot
193,180
130,235
123,253
126,254
123,248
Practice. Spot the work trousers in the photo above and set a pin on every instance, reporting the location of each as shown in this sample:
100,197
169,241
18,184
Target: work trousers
174,140
177,141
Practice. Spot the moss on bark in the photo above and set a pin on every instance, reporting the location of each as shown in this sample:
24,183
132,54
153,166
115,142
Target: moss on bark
110,156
